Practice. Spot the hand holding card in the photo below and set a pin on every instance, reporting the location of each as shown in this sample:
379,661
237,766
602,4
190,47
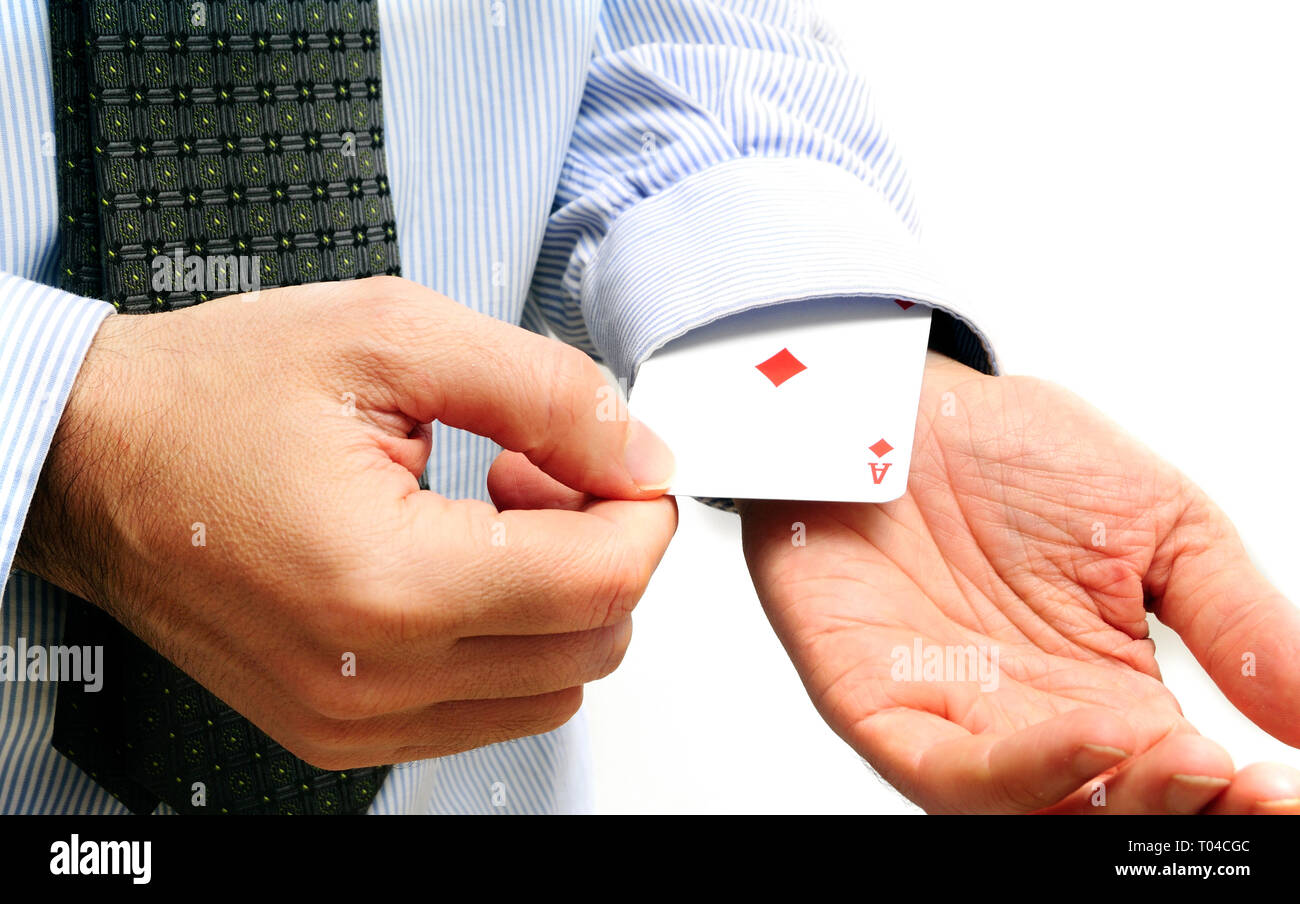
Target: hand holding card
810,400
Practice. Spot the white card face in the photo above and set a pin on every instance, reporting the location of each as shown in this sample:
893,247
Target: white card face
804,400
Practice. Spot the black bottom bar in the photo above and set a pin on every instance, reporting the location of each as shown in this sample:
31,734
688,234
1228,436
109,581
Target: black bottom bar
871,855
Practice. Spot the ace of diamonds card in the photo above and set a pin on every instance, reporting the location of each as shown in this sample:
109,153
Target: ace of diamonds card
812,400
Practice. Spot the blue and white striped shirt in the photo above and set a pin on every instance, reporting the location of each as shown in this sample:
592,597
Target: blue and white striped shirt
616,171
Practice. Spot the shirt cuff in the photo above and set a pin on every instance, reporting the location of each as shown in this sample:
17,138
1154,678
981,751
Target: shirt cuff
44,334
751,232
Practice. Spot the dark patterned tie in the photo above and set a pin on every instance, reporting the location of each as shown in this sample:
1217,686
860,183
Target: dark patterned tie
206,148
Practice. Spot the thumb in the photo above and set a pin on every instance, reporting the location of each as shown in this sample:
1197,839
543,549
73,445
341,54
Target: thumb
1243,632
530,394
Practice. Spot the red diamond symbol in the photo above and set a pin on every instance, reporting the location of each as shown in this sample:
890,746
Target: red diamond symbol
903,304
781,367
880,447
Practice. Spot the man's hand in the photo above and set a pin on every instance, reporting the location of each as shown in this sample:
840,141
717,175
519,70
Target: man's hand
1033,530
237,484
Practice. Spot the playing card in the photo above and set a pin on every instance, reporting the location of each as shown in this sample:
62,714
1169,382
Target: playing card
807,400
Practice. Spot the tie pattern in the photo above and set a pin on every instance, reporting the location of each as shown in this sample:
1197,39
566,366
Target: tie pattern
207,148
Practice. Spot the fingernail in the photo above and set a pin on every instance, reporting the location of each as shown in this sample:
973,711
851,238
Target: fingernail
648,461
1188,793
1276,807
1094,758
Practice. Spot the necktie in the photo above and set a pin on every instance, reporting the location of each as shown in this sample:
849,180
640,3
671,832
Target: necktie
207,148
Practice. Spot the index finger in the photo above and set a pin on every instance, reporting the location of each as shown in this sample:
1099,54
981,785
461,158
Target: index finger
529,393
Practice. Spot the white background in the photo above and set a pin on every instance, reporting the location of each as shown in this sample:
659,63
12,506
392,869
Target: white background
1117,185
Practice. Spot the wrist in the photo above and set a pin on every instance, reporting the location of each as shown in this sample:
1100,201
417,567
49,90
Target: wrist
77,501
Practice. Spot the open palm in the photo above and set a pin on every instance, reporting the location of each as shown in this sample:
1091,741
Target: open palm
1033,537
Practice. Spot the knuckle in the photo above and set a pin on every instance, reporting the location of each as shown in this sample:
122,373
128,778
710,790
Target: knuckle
329,691
387,284
615,648
317,742
346,700
557,709
376,315
570,363
375,295
317,694
545,713
617,584
573,378
589,657
384,288
340,606
329,760
368,607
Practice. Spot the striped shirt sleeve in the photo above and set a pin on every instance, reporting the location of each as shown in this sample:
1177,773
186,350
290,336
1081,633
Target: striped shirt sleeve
44,334
725,157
